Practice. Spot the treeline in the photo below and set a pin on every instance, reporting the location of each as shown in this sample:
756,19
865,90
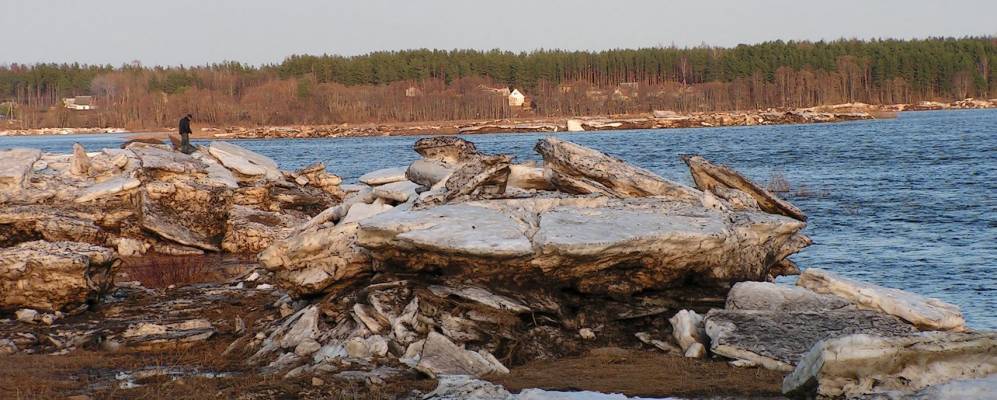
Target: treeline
425,85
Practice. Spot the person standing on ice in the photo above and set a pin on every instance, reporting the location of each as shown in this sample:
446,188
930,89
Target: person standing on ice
185,132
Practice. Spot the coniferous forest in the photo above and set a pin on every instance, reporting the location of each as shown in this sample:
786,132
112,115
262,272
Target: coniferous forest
433,85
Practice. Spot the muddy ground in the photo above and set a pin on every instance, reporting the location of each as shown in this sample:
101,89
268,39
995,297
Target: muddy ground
644,373
186,375
212,288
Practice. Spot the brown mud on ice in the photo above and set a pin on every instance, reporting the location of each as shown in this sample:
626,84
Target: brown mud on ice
189,374
645,374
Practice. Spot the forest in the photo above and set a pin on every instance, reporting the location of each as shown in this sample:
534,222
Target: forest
437,85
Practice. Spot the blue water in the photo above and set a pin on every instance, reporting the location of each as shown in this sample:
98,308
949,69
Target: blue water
907,203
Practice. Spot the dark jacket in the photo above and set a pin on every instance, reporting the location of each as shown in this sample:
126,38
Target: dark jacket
185,125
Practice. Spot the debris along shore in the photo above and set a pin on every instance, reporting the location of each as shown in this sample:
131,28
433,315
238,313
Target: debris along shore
459,270
654,120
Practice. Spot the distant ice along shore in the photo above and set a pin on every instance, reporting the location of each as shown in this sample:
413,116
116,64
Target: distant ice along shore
658,119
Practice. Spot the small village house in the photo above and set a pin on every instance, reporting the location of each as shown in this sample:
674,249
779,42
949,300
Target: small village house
618,94
78,103
595,94
516,98
626,90
413,91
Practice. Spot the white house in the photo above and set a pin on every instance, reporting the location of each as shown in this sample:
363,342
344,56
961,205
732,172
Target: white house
516,99
78,103
413,91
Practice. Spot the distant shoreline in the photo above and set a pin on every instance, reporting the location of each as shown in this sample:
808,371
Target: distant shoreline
656,120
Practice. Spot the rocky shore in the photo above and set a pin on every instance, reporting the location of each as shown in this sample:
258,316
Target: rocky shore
447,277
654,120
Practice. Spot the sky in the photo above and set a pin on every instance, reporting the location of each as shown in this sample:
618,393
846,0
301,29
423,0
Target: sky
196,32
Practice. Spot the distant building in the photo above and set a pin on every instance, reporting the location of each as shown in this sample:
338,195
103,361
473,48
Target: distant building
595,94
516,99
78,103
626,90
514,96
413,92
619,94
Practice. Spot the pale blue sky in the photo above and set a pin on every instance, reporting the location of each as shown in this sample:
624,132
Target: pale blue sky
265,31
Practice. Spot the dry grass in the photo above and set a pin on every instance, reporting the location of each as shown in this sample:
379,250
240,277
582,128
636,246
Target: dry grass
778,183
56,376
163,271
803,191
